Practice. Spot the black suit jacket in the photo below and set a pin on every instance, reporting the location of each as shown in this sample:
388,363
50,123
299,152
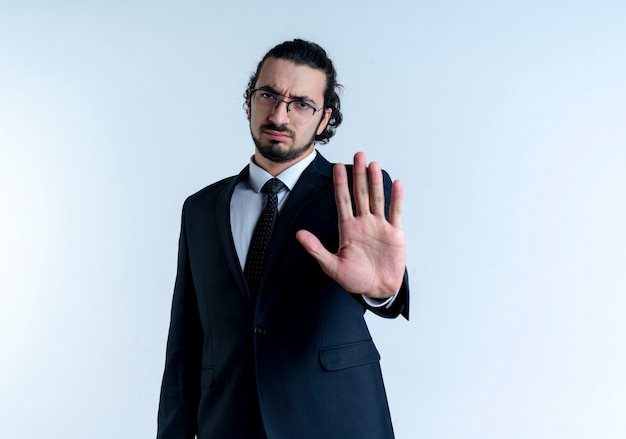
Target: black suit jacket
296,361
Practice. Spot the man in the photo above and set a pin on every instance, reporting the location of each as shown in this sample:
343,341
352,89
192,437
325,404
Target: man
267,339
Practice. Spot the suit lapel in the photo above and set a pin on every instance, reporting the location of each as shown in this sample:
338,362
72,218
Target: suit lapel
222,219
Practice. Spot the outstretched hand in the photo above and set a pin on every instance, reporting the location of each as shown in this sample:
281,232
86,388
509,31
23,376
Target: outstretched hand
371,255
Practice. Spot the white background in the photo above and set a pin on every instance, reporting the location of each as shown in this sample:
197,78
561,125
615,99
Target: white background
505,121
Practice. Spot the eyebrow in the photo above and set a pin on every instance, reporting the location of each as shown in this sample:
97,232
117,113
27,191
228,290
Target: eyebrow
303,98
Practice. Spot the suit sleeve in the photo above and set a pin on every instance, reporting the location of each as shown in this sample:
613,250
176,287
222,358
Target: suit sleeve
181,379
399,305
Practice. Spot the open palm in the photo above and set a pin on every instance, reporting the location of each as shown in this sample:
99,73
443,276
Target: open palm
371,255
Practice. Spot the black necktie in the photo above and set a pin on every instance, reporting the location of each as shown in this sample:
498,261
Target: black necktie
262,233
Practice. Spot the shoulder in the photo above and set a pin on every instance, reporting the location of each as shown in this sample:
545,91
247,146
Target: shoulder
209,196
211,190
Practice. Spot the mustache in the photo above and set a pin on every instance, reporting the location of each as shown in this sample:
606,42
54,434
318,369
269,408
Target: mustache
279,128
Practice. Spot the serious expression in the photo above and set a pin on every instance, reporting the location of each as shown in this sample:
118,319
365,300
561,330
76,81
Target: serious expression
276,137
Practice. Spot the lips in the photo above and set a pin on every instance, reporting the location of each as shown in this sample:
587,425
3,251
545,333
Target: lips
277,135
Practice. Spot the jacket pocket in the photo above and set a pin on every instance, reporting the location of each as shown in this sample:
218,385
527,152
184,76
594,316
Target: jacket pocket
206,377
349,355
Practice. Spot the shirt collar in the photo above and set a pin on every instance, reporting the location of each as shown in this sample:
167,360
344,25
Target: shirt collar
258,176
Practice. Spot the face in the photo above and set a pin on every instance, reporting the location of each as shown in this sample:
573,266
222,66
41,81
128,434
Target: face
277,139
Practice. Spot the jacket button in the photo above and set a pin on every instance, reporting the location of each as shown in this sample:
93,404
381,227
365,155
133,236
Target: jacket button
259,330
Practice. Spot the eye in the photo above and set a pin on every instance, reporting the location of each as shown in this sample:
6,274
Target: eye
267,95
302,106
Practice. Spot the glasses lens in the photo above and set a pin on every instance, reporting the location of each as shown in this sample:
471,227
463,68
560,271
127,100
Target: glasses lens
300,112
264,100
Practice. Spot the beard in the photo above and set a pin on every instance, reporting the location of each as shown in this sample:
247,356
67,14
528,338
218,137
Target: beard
273,152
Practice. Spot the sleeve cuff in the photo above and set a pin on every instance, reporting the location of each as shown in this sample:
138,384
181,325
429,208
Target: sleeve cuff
380,303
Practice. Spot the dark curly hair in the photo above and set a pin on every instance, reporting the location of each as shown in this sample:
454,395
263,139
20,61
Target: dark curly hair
306,53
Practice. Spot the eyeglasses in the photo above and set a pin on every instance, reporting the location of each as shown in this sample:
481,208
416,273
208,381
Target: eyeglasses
267,101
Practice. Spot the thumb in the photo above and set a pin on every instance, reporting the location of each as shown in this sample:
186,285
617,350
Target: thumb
314,247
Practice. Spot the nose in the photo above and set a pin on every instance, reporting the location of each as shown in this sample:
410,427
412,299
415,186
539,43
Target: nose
280,115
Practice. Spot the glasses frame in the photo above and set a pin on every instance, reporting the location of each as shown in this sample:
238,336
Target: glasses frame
278,101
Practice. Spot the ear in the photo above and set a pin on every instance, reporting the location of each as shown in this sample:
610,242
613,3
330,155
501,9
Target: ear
322,126
247,108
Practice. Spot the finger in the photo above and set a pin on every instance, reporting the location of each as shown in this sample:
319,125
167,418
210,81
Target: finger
395,209
314,247
361,191
342,192
376,189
